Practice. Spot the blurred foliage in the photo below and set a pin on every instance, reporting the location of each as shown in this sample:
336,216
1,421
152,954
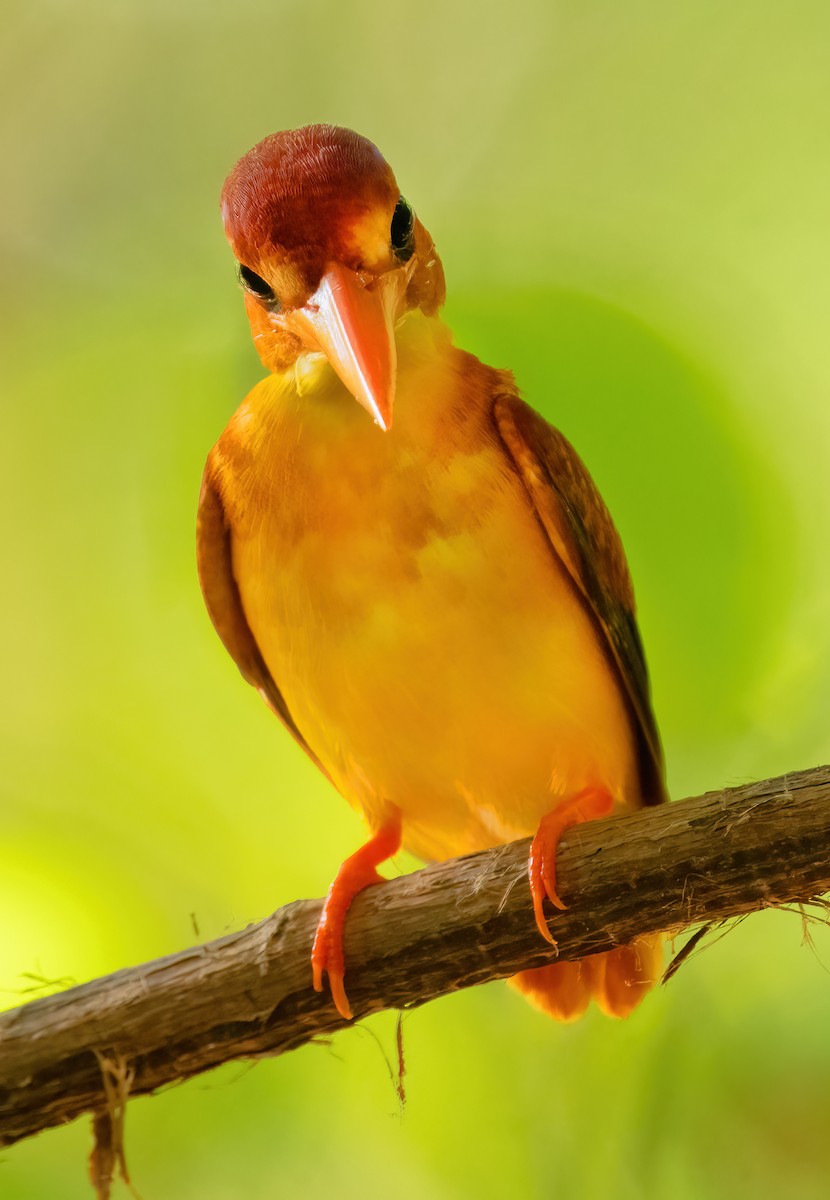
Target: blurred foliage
631,202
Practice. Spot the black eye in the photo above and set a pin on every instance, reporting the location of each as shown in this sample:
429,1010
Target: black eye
402,230
255,283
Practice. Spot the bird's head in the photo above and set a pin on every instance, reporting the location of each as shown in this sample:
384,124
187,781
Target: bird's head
330,256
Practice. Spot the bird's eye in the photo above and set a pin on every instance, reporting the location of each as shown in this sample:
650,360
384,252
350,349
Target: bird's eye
402,230
255,283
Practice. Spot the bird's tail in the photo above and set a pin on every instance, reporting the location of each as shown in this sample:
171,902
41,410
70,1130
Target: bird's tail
617,980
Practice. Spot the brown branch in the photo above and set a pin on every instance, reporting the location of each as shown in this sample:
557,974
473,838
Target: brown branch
448,926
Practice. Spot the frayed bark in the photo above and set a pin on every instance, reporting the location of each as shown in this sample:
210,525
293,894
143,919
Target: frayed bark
449,926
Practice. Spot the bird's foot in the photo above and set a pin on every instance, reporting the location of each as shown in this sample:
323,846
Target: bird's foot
357,872
587,805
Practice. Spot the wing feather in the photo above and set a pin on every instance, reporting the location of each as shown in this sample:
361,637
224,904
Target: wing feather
582,534
224,604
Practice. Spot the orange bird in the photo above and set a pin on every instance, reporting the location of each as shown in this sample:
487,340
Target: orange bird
438,608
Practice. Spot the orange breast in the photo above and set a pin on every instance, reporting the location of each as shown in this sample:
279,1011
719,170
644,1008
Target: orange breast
428,643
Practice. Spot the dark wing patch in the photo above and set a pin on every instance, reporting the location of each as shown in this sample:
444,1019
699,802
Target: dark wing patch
224,605
582,534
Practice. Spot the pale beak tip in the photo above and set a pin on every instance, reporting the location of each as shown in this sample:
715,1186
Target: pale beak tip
382,416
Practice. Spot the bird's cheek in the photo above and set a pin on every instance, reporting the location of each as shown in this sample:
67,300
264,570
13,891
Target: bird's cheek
276,346
426,286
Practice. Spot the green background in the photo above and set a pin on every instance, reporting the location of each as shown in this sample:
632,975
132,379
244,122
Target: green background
632,201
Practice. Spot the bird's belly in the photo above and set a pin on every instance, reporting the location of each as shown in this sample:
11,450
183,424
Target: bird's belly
442,663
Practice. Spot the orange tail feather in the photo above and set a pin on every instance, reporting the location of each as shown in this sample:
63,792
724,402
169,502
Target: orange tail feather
617,980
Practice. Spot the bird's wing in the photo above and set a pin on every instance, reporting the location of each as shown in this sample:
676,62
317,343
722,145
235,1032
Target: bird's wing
224,605
582,535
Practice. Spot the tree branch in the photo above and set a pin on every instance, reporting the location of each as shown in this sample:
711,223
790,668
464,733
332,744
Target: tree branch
422,935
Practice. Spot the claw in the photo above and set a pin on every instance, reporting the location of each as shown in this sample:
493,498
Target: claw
357,872
586,805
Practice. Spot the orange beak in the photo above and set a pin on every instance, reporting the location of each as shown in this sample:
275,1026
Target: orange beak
351,319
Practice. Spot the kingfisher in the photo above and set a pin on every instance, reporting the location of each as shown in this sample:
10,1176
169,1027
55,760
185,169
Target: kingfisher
410,565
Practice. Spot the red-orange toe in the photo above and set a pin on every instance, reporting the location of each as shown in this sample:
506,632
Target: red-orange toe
587,805
357,872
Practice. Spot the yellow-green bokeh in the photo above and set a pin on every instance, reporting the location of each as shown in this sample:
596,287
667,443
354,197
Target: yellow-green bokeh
632,203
